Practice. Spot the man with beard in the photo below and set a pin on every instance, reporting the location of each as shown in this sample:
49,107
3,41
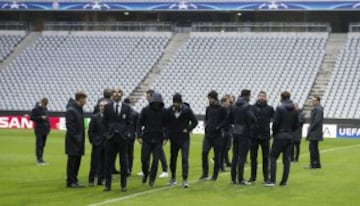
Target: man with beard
215,120
284,125
117,121
151,134
260,135
181,121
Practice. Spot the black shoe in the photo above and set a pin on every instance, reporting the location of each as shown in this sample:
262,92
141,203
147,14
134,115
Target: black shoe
233,182
252,179
100,182
204,177
107,189
115,172
74,185
144,179
282,184
213,178
151,183
123,189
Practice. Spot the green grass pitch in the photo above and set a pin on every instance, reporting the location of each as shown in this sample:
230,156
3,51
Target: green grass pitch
22,182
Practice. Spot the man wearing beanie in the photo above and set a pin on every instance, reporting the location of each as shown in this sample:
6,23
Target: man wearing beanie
215,120
242,118
181,120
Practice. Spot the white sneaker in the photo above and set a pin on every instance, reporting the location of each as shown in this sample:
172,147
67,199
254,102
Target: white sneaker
164,175
172,182
185,184
41,163
269,184
140,173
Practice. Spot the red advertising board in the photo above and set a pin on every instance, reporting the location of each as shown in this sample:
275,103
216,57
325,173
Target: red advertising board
24,122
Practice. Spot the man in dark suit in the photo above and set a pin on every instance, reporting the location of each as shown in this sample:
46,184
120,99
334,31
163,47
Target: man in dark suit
131,142
242,117
96,134
117,121
151,134
75,138
260,135
215,120
39,114
181,121
284,125
106,97
315,133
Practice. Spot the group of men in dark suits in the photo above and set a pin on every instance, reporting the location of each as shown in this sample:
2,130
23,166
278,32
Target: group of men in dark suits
115,124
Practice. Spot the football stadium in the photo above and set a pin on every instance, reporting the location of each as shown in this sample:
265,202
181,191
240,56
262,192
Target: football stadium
59,57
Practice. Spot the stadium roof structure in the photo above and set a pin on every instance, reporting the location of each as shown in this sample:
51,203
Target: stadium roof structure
176,5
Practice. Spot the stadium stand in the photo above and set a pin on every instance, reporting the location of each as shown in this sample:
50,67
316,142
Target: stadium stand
8,41
229,62
342,97
62,62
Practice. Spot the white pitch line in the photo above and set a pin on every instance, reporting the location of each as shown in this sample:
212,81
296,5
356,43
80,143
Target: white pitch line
194,181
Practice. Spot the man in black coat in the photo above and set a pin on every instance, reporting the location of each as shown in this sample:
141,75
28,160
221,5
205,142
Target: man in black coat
151,134
241,117
106,97
131,141
75,138
96,133
215,120
181,121
260,135
295,150
284,125
118,122
315,133
39,115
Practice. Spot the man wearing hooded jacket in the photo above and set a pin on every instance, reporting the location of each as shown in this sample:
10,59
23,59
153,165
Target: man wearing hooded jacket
151,134
181,120
242,118
285,124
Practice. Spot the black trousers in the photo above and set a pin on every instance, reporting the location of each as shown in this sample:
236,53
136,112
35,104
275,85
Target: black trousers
114,146
147,150
295,151
226,146
174,151
209,143
163,160
280,146
72,169
241,146
39,146
97,164
130,155
265,149
314,154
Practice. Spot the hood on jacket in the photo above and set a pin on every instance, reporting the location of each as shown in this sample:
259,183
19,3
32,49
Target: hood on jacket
241,101
288,104
157,98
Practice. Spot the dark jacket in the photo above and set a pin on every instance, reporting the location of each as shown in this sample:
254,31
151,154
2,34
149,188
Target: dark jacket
152,121
264,114
285,121
135,118
315,131
117,124
42,126
97,130
215,120
75,131
177,124
242,117
298,132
